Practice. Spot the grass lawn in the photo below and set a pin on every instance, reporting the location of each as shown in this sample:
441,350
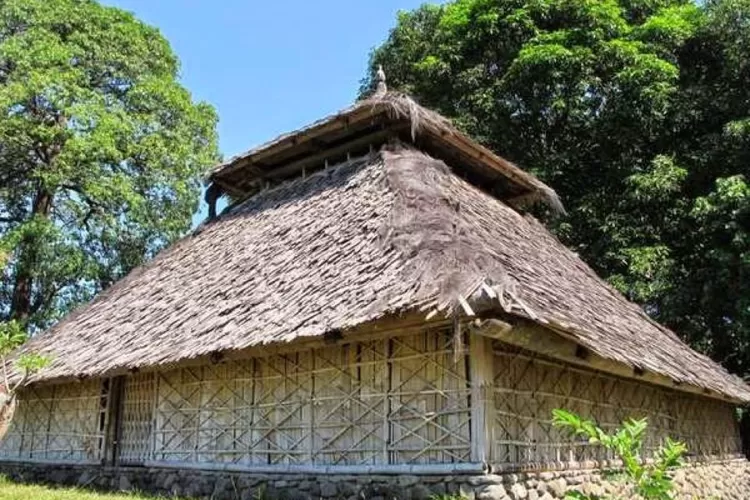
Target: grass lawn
12,491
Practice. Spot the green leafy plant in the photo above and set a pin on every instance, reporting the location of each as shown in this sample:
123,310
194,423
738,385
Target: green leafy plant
650,480
12,336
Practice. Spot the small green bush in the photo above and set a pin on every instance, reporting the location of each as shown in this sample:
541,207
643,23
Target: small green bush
651,480
12,336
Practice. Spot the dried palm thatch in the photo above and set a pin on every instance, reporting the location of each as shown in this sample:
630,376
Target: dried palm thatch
383,110
394,230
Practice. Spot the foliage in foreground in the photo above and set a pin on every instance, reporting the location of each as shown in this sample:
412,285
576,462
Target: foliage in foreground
649,480
636,112
25,365
13,336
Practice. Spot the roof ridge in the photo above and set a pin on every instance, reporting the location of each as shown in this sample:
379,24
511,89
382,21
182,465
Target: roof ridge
425,226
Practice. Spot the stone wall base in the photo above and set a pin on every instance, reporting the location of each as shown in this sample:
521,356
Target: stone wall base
726,480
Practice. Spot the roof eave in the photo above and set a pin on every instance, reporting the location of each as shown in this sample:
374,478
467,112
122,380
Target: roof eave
540,339
381,110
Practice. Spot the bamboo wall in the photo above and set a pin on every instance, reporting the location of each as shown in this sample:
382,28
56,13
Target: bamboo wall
527,388
390,401
401,400
58,423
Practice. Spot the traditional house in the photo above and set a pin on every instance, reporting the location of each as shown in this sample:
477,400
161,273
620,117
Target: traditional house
374,315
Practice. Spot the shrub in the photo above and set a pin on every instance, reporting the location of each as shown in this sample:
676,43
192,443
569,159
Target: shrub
651,480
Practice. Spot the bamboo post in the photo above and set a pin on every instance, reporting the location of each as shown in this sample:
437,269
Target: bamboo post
481,376
311,423
387,437
154,418
24,431
104,417
114,421
50,415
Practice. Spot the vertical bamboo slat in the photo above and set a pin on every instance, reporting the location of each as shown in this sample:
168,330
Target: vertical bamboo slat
481,373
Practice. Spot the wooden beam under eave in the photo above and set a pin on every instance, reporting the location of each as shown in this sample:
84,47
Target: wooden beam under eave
230,189
318,144
486,157
540,340
404,323
333,124
297,166
250,167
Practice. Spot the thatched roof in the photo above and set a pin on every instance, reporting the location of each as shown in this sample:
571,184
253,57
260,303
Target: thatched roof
371,121
392,231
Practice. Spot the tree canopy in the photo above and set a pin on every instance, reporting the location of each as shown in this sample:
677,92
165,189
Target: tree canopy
636,111
101,152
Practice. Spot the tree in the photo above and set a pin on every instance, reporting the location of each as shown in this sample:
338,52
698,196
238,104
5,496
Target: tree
101,152
636,112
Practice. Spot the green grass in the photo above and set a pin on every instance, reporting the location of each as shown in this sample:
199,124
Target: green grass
13,491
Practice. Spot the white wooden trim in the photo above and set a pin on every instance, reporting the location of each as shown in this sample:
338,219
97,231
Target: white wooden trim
425,469
48,461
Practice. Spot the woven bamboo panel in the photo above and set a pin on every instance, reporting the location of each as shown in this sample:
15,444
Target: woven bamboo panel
338,411
137,417
12,442
708,428
351,404
177,415
29,422
58,422
528,388
429,421
390,401
286,399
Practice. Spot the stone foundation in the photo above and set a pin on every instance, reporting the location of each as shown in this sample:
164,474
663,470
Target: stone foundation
727,480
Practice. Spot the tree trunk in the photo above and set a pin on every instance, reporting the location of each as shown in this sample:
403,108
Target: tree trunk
20,307
7,410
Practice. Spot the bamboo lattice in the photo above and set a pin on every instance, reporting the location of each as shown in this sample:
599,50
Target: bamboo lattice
58,423
401,400
393,401
527,389
137,417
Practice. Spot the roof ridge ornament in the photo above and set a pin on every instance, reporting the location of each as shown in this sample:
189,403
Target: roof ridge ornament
381,88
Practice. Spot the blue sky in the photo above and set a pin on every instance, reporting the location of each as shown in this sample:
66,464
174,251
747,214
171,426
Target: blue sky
270,67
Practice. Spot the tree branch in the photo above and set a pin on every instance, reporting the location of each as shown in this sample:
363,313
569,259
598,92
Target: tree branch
4,361
94,205
44,297
20,383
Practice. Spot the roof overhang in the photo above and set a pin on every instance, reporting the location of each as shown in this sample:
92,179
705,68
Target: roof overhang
539,340
366,125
